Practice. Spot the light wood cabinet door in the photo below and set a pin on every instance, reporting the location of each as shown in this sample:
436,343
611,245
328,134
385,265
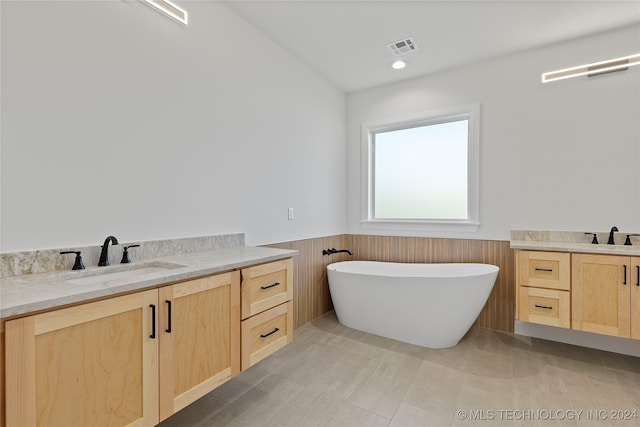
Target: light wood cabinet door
199,338
94,364
600,294
635,298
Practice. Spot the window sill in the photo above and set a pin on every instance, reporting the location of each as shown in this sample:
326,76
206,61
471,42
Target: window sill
460,226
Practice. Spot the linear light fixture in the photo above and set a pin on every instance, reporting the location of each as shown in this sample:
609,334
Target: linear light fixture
602,67
169,8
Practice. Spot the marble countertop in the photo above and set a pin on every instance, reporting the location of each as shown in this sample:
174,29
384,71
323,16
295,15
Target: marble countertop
568,241
576,247
28,293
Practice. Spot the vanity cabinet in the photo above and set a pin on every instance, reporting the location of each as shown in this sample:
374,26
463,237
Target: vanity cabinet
544,285
136,359
586,292
129,360
199,338
267,310
606,294
91,364
635,298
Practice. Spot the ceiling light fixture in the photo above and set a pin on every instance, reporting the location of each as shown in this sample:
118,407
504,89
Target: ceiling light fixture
594,69
170,9
399,64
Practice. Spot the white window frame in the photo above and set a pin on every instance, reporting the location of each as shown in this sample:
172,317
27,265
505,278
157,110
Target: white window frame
443,115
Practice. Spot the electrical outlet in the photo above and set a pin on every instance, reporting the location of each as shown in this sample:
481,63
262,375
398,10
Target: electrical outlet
290,213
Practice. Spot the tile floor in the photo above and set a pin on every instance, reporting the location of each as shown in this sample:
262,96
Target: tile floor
335,376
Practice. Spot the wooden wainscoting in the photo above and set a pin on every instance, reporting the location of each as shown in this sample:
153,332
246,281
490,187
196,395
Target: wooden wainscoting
311,297
311,291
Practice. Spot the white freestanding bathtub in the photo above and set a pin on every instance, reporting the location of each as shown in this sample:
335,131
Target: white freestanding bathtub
430,305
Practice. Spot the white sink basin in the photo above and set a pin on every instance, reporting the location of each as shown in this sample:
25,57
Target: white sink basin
121,274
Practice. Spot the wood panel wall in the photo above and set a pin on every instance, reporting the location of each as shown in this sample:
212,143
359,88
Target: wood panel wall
311,297
311,291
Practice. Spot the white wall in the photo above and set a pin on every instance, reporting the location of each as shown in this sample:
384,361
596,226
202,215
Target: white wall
118,120
558,156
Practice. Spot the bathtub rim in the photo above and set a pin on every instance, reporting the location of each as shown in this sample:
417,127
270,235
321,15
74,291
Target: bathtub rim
454,269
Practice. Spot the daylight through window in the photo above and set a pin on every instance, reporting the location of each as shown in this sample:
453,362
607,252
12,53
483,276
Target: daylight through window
423,170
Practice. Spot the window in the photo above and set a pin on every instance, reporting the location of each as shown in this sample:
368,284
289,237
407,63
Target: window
422,171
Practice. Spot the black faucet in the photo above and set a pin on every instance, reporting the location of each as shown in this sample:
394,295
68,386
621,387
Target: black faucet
611,240
335,251
79,265
104,255
125,254
595,238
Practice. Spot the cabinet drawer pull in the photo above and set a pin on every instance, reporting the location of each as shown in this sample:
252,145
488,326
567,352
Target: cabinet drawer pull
545,269
270,333
270,286
153,321
168,330
544,306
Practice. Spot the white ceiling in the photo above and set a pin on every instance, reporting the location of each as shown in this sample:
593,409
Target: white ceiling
346,41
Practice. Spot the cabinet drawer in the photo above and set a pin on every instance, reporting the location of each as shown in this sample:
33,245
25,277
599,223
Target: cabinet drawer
265,333
545,306
551,270
266,286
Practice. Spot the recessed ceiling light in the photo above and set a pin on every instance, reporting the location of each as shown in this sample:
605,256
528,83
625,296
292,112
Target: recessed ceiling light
399,64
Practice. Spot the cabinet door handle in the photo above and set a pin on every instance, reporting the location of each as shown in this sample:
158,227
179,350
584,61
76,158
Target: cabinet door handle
168,330
624,279
270,333
153,321
544,306
544,269
638,275
270,286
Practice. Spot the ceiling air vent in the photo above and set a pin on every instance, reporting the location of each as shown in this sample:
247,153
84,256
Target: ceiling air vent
403,46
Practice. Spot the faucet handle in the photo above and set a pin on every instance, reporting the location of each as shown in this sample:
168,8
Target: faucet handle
78,264
125,254
627,241
595,238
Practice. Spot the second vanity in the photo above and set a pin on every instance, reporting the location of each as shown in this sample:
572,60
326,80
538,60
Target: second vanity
564,282
143,341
